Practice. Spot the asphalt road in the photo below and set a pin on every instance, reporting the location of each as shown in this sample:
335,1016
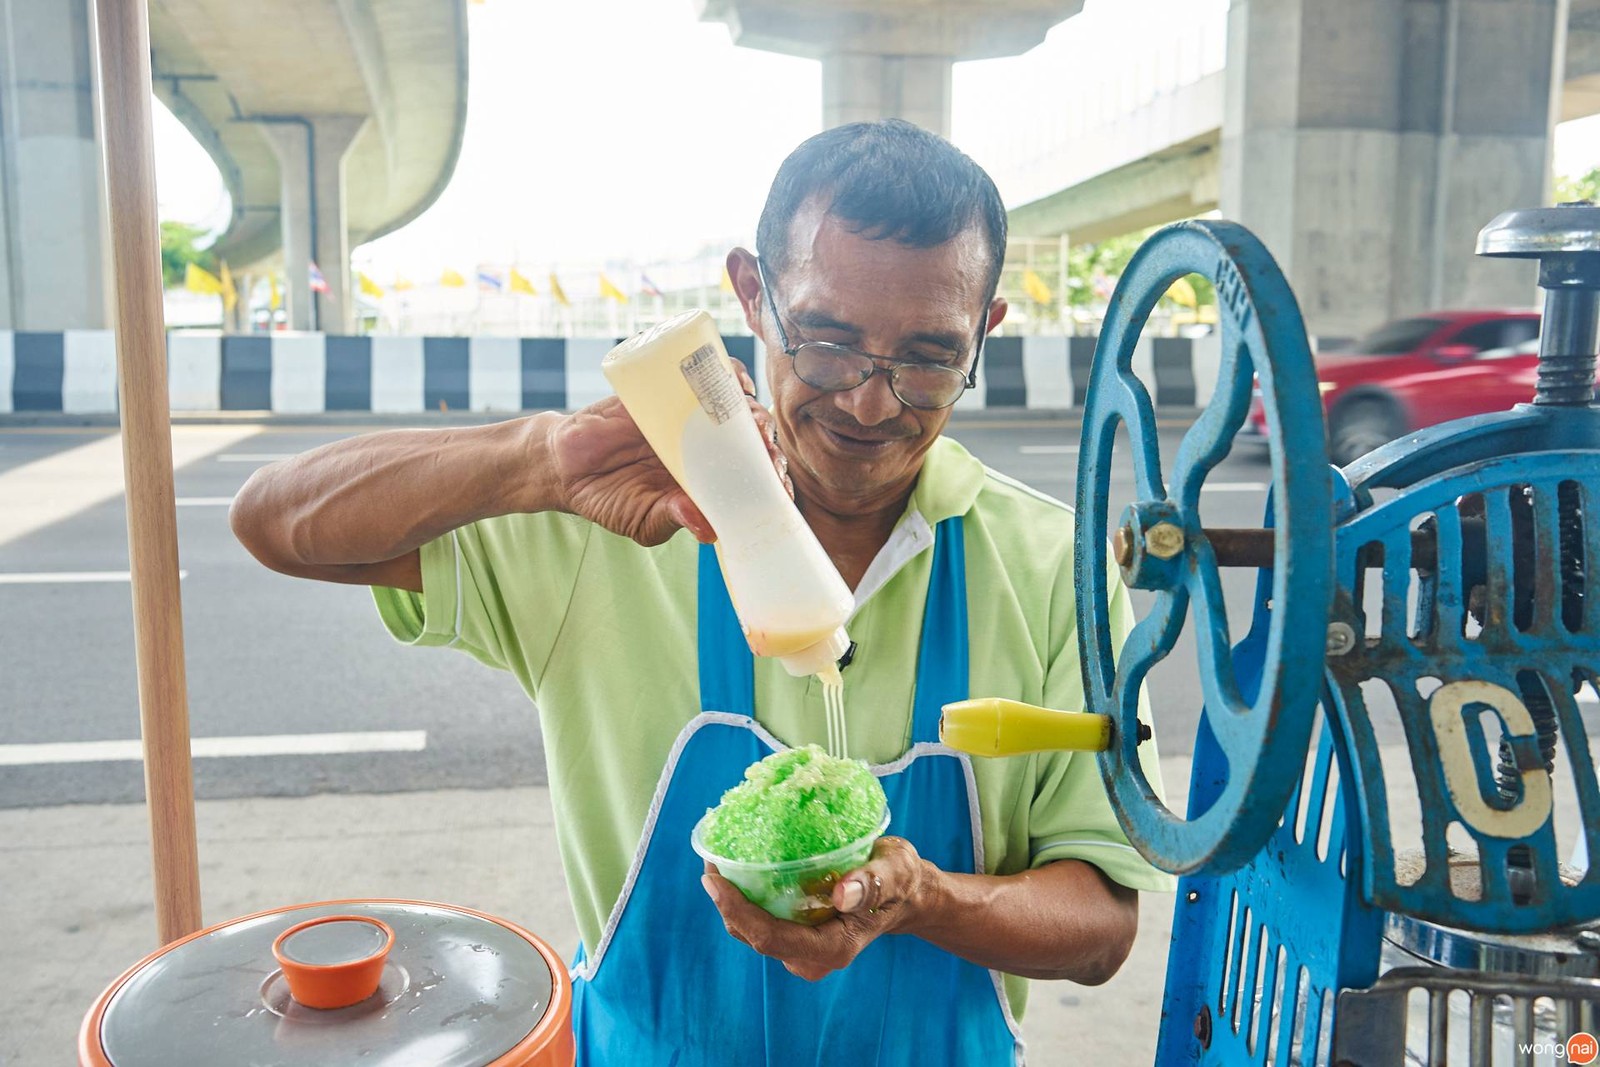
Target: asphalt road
270,656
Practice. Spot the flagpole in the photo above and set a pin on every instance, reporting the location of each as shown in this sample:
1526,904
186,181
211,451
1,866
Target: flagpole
124,44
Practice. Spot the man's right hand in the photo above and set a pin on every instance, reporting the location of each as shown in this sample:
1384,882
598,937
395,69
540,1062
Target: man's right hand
607,472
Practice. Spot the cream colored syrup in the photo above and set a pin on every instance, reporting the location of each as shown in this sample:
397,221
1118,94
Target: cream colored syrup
833,708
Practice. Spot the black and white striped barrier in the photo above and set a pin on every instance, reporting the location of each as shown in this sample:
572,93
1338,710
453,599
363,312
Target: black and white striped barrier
75,372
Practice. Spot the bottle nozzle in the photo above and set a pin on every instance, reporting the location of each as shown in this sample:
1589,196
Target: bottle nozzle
817,658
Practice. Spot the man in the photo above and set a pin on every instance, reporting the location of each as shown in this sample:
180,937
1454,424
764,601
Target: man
555,547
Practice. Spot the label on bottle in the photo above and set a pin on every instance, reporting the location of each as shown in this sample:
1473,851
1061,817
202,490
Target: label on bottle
717,390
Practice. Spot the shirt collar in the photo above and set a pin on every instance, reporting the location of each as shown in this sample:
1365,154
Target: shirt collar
947,485
949,482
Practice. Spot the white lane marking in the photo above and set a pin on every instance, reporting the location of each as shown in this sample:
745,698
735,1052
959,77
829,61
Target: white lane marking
204,501
69,577
1048,450
255,457
1233,487
59,486
1587,695
208,747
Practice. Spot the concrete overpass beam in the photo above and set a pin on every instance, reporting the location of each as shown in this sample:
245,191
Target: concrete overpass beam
1176,184
860,87
53,255
1367,142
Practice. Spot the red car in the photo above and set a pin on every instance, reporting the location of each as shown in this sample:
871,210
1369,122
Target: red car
1419,372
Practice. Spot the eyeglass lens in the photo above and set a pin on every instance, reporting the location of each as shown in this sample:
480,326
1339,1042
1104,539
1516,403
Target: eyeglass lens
920,385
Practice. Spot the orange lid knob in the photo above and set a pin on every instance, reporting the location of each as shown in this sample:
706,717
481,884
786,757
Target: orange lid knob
334,961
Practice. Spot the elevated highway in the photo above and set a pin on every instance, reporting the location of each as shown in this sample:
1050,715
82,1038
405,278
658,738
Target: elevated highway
1159,159
332,122
1366,144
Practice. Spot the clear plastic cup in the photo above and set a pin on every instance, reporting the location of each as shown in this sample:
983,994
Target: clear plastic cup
797,890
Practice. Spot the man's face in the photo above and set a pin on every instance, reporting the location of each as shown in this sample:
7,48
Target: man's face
854,449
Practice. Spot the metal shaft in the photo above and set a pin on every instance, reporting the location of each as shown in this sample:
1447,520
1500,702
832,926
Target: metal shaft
1565,239
1253,547
1567,344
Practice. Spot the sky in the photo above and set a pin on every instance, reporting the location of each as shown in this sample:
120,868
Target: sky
627,130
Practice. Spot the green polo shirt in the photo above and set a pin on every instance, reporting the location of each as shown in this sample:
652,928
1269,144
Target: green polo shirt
602,635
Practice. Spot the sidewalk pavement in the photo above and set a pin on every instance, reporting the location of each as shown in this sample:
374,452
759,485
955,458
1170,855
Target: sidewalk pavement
78,906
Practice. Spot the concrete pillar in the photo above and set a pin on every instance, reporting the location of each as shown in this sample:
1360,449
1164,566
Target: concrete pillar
311,151
54,273
291,140
861,87
1368,141
331,146
889,58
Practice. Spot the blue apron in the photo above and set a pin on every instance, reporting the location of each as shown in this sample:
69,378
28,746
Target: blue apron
667,985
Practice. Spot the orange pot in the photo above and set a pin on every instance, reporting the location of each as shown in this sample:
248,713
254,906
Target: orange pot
337,981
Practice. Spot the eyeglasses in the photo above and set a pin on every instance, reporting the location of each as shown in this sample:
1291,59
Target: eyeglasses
839,368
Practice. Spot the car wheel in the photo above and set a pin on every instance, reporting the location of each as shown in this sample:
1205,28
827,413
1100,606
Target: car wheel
1359,426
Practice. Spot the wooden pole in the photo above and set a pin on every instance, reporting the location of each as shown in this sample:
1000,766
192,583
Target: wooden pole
124,41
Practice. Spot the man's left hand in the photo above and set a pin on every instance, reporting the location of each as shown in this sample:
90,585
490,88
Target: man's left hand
876,899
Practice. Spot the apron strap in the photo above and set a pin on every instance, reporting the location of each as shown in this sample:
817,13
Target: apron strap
727,668
942,653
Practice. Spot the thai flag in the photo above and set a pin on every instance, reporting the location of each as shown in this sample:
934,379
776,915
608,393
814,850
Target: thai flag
648,287
490,280
319,284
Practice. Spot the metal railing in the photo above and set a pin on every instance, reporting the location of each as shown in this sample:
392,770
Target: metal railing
1036,282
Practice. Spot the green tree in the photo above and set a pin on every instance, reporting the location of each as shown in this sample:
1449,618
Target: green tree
1087,263
178,250
1583,187
1108,260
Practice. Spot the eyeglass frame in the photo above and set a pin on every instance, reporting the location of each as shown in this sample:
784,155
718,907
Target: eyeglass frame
880,364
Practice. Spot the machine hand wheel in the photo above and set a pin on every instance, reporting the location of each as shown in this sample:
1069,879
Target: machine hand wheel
1162,547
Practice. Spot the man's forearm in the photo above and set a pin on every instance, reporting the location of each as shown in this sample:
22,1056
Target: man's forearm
336,510
1063,920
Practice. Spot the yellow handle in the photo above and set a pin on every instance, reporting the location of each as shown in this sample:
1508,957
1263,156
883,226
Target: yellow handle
990,726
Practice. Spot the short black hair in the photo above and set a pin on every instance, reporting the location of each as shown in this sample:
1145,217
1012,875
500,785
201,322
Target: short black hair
886,179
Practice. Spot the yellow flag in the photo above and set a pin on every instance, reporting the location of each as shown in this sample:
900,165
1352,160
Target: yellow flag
275,297
1182,292
369,287
1035,287
610,291
559,293
727,282
401,284
230,295
520,284
452,279
197,279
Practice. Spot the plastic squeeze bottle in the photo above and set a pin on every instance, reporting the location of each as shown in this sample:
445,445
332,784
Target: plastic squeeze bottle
676,381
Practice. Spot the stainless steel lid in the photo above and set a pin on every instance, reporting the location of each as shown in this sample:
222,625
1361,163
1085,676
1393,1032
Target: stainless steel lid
1541,231
458,990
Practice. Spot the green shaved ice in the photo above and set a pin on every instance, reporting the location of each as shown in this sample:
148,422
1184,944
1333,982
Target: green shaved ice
795,804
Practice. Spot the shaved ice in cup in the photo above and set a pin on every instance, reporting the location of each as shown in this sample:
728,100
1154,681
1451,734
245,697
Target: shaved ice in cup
799,822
